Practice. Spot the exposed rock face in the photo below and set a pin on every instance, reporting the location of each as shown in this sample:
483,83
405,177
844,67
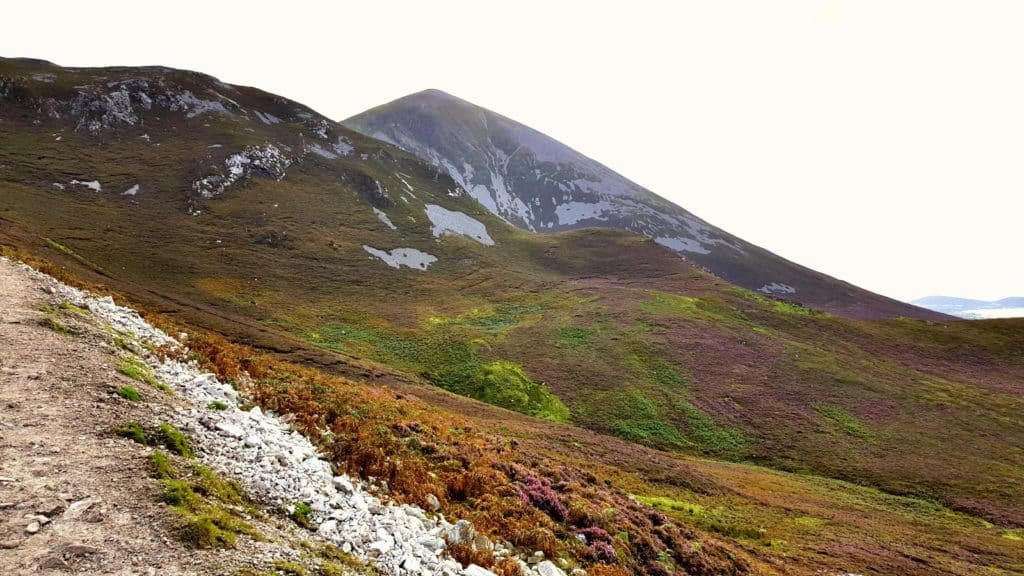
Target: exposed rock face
266,160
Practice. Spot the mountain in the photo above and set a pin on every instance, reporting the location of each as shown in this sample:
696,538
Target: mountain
1011,307
537,183
587,383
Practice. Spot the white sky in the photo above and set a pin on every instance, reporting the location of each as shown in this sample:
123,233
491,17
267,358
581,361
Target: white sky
881,142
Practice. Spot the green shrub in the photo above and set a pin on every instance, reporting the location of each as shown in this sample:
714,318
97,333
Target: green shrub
129,393
301,513
217,405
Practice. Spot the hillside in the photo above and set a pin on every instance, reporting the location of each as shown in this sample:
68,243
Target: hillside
539,184
226,210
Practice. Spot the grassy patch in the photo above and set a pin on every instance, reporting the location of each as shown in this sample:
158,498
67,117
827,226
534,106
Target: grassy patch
174,440
573,337
209,506
162,467
61,248
719,520
217,405
289,568
493,318
129,393
133,431
56,325
846,421
138,370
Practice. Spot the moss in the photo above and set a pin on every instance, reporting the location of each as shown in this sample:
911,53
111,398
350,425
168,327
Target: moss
289,568
174,440
129,393
207,505
133,431
122,342
217,405
162,467
179,493
210,530
137,370
56,325
212,485
68,306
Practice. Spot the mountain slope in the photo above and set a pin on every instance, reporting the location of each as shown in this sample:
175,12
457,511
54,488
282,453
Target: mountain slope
256,218
539,184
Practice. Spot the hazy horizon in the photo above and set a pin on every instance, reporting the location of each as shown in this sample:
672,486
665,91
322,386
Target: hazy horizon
875,142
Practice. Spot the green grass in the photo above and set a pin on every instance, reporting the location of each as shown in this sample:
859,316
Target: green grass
138,370
162,467
718,520
217,405
845,420
56,325
174,440
209,507
574,337
129,393
133,431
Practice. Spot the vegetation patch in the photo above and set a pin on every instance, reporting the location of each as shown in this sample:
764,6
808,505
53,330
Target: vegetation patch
56,325
137,370
301,512
162,467
846,421
718,520
174,440
217,405
493,318
133,431
129,393
211,508
574,337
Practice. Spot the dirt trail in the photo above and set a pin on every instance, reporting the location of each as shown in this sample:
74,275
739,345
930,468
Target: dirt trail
73,495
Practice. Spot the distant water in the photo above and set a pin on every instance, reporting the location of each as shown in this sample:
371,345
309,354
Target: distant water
989,313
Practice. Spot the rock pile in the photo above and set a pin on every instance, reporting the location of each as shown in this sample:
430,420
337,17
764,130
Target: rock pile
280,467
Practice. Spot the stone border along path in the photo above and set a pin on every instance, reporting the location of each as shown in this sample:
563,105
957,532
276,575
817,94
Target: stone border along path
281,467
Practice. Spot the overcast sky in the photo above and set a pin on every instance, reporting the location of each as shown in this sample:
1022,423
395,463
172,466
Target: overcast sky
879,142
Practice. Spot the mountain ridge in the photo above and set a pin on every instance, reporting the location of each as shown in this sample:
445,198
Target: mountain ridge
540,184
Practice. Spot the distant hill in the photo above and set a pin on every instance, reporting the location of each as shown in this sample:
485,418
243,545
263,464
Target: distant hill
538,183
1012,307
